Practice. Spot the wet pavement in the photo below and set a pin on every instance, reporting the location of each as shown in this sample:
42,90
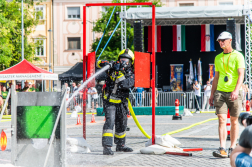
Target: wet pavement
201,136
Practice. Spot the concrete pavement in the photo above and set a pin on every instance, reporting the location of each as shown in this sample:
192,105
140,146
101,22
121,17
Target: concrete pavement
201,136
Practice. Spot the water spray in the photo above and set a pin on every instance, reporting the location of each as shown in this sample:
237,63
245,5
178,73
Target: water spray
87,81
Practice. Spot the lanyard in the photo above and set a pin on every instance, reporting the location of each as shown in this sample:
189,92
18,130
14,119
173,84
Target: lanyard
227,63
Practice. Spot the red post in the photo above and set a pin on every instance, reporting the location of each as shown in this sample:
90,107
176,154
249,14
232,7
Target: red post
119,4
84,71
153,74
153,57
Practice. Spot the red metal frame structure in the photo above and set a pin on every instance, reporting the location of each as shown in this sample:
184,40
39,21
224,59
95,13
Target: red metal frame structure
153,59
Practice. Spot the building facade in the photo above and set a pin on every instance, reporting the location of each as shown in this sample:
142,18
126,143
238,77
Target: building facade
68,37
68,26
43,35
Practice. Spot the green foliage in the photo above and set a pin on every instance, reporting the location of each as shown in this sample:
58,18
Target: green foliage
114,46
10,31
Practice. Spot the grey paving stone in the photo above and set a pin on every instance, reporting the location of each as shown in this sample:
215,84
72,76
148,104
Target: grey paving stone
202,136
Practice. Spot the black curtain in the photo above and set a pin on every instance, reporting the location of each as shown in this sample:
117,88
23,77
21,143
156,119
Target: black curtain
193,47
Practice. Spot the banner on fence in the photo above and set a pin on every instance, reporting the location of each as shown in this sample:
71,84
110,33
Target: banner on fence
176,77
211,73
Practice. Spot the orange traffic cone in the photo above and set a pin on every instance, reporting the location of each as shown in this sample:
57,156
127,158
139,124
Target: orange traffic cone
128,115
93,119
78,120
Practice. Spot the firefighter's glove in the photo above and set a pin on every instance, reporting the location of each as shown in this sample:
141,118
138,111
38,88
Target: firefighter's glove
102,63
116,66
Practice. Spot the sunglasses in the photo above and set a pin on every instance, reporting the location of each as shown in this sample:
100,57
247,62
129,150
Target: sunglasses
222,40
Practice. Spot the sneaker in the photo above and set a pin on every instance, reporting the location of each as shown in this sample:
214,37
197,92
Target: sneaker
230,151
123,148
107,151
221,152
197,112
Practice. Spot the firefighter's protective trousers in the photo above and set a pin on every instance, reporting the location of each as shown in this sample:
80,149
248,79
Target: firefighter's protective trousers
115,107
115,114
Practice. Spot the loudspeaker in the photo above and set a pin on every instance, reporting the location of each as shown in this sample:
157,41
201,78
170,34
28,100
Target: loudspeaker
138,36
230,27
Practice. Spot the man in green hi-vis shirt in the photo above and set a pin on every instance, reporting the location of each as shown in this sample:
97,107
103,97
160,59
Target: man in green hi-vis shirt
4,94
226,92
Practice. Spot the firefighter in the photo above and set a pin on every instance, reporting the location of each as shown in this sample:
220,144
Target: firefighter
120,78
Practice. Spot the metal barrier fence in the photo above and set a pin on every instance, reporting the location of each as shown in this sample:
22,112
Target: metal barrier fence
77,101
186,99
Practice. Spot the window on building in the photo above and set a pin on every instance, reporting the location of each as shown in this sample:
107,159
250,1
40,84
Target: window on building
73,12
225,3
42,10
40,47
73,43
186,4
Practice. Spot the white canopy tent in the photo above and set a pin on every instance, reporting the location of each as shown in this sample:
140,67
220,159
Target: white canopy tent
192,15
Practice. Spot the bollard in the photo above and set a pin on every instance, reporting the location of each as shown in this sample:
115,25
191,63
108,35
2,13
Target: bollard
176,116
93,119
248,106
78,120
228,125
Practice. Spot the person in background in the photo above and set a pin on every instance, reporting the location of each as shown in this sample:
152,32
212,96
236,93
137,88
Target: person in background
27,86
207,93
197,92
1,97
247,94
4,94
93,92
244,96
67,95
81,91
156,96
18,88
9,101
74,87
32,87
68,91
79,96
139,95
240,156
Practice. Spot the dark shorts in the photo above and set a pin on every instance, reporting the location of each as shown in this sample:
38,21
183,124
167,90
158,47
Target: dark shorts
222,101
94,100
243,160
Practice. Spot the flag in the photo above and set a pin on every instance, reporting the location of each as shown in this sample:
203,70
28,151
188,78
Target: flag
207,38
199,72
238,37
211,72
178,36
191,77
157,39
195,73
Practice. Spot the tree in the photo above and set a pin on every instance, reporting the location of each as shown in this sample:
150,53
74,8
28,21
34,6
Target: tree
10,31
114,46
